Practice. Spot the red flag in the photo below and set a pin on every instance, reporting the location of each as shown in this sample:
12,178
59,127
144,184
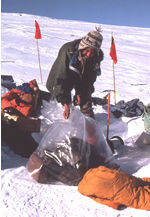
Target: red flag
113,51
37,31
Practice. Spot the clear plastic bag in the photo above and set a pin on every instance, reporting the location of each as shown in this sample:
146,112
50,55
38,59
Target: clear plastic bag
68,149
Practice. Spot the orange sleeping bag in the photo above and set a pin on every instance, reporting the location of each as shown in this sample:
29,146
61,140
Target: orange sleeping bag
116,188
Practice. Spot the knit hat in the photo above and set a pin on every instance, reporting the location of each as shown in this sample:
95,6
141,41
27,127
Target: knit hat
93,39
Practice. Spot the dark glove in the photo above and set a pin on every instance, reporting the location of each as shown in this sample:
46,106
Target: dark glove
66,112
76,100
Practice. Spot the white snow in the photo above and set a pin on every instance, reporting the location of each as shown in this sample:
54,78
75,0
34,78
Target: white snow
21,195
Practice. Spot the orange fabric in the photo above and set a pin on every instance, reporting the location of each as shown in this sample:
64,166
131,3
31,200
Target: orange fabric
10,100
114,187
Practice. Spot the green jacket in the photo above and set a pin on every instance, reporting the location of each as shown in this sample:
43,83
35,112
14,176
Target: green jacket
62,79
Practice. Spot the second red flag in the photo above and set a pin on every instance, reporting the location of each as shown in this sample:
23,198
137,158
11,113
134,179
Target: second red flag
113,51
37,31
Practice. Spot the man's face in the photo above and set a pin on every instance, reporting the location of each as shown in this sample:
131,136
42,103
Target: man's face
88,53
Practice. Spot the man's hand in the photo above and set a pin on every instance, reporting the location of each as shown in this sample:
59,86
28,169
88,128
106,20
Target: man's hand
77,100
66,111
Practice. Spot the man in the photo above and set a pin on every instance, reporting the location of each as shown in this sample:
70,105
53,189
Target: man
76,67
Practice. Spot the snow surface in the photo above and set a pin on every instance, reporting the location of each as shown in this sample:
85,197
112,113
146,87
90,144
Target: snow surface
21,195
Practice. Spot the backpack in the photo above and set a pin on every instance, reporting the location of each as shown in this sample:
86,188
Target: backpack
146,118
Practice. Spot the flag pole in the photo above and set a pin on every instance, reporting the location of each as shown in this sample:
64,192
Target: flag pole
39,60
114,83
108,116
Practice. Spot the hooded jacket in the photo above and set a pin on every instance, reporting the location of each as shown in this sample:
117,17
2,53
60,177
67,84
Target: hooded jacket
116,188
62,78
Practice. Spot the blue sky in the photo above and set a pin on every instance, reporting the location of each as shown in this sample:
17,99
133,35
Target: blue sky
113,12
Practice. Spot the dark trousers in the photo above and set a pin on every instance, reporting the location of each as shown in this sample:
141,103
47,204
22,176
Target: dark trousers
86,108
